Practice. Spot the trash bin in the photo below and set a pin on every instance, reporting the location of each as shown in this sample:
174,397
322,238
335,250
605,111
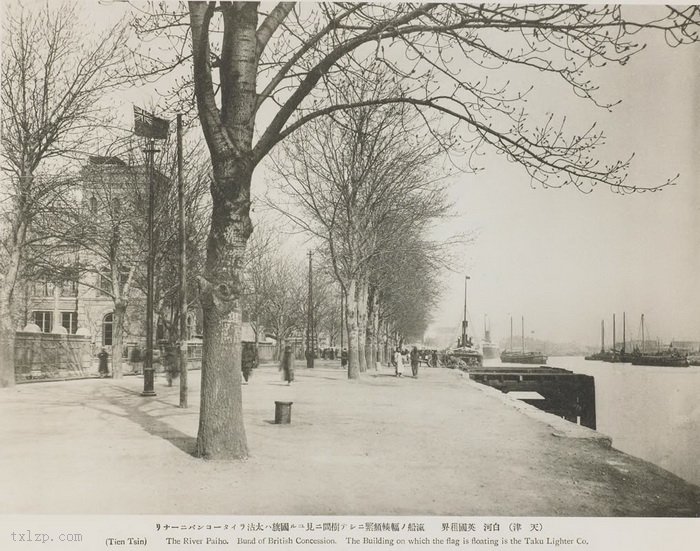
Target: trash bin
283,413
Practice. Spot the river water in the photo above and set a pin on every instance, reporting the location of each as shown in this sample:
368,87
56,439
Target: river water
649,412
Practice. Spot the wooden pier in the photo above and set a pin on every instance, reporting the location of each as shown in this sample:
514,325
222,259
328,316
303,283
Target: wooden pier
564,393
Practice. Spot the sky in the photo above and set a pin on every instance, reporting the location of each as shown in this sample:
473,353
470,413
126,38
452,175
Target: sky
565,260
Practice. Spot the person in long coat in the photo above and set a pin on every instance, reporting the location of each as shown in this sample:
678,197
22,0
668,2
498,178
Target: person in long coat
398,361
103,368
414,361
287,364
248,359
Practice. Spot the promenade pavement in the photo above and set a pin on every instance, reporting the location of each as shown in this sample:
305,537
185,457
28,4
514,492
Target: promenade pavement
435,445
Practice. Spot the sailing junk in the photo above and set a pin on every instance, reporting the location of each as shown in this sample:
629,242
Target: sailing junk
661,358
522,357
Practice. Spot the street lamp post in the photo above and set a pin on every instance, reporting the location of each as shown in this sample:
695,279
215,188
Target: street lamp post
151,128
310,322
148,370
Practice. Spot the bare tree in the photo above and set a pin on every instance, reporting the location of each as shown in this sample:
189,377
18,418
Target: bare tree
361,182
325,303
52,81
293,60
259,260
284,295
408,292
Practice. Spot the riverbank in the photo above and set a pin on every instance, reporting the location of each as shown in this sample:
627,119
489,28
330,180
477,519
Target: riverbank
435,445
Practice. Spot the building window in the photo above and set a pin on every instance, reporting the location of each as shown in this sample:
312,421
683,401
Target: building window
69,288
105,285
69,320
107,330
44,320
191,325
43,289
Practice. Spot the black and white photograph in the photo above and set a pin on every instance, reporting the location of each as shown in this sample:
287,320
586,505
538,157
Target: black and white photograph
349,275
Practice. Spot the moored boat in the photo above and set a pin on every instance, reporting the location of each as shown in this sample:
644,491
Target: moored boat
601,356
465,349
668,358
661,358
522,356
512,357
488,349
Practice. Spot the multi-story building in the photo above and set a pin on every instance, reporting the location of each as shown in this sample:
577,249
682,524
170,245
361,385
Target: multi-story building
107,190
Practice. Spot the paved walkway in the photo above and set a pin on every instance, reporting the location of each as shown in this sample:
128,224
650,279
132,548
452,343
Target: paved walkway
436,445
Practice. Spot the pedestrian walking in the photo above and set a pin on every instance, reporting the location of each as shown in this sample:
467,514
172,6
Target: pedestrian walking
398,362
170,362
248,359
102,357
434,359
415,358
287,365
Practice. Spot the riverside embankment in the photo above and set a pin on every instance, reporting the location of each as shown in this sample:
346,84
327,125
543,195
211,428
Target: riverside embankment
436,445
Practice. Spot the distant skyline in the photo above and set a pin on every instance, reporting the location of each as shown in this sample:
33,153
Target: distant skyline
565,260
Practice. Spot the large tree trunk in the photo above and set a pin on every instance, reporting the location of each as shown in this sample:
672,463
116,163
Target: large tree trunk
118,339
352,331
362,325
7,342
229,135
221,429
372,330
7,329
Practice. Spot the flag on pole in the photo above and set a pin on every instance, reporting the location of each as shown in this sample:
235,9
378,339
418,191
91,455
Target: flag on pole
150,126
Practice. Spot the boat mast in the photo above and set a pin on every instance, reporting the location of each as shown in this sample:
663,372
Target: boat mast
642,333
614,343
464,320
522,327
602,335
511,333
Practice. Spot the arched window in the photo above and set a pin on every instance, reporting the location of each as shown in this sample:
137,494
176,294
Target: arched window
107,330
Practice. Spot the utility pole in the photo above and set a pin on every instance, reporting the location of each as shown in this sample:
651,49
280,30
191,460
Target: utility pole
342,325
148,370
310,321
182,357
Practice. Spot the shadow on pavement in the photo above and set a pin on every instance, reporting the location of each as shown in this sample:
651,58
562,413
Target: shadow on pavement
149,422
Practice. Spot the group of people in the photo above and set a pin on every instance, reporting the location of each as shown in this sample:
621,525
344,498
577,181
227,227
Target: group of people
404,357
413,358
